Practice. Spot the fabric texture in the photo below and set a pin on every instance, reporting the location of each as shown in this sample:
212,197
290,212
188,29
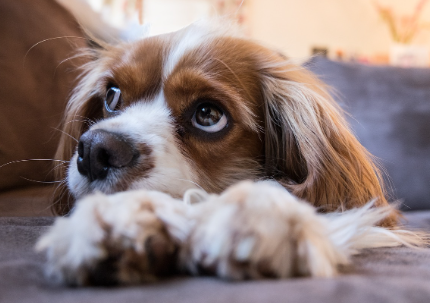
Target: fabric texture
37,38
388,275
389,111
33,201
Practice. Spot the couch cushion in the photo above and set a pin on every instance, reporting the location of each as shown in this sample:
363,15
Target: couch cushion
388,275
32,201
35,84
390,114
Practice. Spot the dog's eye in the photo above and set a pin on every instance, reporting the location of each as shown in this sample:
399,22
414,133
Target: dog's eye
113,99
209,118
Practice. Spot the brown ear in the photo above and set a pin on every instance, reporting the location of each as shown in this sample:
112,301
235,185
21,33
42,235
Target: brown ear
309,146
83,108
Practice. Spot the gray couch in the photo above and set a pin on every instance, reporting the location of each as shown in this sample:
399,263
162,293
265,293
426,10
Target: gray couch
377,276
390,113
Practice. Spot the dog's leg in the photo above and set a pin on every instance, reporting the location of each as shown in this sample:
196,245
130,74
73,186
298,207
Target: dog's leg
125,238
256,230
252,230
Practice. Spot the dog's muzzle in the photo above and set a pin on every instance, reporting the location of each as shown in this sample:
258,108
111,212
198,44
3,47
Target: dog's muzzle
100,151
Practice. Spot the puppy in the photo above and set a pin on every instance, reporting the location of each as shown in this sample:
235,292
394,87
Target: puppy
169,126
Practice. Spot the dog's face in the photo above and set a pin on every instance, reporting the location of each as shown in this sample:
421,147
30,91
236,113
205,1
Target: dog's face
179,111
201,108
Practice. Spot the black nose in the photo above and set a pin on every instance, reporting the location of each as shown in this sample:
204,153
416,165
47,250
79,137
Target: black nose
100,150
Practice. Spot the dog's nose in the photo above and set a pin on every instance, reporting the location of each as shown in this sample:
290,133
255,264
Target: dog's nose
100,150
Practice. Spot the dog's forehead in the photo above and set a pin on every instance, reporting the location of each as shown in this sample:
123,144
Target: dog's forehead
184,67
137,69
142,67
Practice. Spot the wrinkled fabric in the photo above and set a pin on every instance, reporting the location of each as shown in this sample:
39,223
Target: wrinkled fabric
388,275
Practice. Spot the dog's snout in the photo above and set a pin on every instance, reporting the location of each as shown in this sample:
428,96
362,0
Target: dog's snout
100,150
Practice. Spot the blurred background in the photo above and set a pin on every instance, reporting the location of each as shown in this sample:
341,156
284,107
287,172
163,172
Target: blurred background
395,32
389,106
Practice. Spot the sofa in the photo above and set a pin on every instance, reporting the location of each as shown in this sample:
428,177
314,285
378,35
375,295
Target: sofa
389,110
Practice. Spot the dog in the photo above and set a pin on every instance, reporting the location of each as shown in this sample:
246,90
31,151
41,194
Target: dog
203,152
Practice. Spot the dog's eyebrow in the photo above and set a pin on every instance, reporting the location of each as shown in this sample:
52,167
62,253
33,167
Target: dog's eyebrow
139,73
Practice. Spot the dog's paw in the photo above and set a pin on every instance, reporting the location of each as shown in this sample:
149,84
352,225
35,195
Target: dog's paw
257,230
125,238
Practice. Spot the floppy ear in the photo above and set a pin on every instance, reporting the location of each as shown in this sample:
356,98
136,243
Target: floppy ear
83,108
309,147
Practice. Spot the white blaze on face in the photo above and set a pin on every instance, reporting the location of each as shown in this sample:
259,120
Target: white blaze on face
149,123
191,37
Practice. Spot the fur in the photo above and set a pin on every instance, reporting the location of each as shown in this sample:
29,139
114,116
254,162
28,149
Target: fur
305,211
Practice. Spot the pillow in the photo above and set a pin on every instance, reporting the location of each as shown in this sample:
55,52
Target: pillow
34,86
389,111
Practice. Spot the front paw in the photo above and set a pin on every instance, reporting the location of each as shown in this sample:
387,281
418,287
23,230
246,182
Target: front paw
113,239
257,230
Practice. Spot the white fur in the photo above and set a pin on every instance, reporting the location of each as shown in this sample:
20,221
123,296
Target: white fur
252,230
148,123
190,39
74,245
196,34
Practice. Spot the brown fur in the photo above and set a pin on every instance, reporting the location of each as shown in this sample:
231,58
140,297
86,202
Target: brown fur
284,123
211,72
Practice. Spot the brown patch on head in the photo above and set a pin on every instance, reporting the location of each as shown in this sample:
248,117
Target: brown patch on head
222,71
136,69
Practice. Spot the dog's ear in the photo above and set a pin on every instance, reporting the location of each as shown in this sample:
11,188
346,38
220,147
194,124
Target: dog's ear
309,147
84,107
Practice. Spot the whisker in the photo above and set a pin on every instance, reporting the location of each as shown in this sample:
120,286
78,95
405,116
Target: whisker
55,201
28,160
77,56
45,40
44,182
68,203
60,187
91,121
61,62
76,140
51,198
76,120
56,166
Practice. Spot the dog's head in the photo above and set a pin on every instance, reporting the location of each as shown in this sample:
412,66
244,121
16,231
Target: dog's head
202,108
